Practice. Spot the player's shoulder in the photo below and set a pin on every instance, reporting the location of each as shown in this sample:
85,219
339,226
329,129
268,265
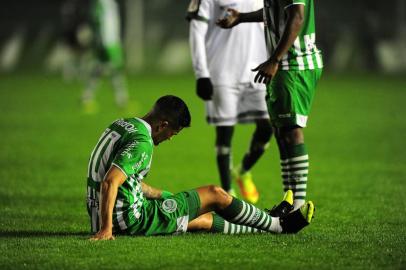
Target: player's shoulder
131,127
136,134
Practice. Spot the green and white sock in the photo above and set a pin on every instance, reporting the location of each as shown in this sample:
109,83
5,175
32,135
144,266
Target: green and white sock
295,168
220,225
242,213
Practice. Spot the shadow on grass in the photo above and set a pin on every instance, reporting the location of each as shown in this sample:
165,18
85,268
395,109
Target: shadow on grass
40,234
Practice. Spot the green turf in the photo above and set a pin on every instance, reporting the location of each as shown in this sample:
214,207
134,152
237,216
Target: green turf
356,139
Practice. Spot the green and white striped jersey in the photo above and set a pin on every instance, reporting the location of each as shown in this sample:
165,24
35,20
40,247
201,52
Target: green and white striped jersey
303,55
126,144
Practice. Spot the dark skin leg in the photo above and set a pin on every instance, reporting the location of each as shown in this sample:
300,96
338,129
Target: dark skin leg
260,138
288,137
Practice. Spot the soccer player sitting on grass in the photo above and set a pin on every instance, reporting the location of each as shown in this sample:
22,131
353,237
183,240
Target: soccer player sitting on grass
119,202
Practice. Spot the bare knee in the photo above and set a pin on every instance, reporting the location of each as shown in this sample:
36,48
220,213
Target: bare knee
221,198
292,136
213,198
263,131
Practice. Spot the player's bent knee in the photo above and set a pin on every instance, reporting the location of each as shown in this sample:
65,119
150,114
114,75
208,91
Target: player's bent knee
259,146
220,197
292,135
215,190
262,136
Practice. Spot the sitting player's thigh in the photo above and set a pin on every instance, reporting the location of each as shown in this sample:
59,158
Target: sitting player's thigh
221,110
172,214
252,104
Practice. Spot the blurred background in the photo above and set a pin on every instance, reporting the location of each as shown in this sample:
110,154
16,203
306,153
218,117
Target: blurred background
47,34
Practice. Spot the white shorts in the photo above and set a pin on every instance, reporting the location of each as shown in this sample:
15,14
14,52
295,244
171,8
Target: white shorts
236,104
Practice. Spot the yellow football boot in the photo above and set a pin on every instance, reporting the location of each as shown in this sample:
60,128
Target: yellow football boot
247,187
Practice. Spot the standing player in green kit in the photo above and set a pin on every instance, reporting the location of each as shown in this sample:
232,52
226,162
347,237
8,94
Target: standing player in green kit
118,200
291,74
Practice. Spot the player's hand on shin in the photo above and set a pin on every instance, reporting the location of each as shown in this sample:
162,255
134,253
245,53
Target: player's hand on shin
103,234
266,71
230,20
204,88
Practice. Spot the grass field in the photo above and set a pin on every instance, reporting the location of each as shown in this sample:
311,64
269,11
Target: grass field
356,140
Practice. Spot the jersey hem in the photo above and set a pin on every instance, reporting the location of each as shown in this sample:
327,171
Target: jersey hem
294,4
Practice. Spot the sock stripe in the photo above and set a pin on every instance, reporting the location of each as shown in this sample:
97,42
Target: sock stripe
241,213
294,159
293,163
246,214
297,168
262,220
232,228
289,181
294,166
226,225
266,225
292,173
251,219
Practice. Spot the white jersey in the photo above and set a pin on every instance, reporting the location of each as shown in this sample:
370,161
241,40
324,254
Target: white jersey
225,55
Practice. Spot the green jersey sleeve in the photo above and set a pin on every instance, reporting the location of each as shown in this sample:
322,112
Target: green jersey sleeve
134,157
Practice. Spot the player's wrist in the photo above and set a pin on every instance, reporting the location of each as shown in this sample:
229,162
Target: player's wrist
243,17
275,59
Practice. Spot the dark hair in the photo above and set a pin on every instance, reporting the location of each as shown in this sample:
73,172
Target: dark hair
174,110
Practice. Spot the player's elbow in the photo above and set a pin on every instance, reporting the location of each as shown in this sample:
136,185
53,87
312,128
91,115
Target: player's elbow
109,183
298,19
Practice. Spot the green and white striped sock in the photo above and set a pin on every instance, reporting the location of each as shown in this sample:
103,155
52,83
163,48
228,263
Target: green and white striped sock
220,225
295,168
242,213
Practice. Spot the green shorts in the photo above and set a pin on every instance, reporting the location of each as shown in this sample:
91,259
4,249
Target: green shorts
167,216
290,96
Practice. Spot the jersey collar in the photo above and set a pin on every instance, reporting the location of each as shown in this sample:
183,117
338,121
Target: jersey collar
148,126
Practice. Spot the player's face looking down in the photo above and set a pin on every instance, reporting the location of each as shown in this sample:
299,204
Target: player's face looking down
163,131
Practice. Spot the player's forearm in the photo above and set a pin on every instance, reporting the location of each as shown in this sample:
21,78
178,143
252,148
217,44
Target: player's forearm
255,16
108,199
293,26
150,192
197,36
